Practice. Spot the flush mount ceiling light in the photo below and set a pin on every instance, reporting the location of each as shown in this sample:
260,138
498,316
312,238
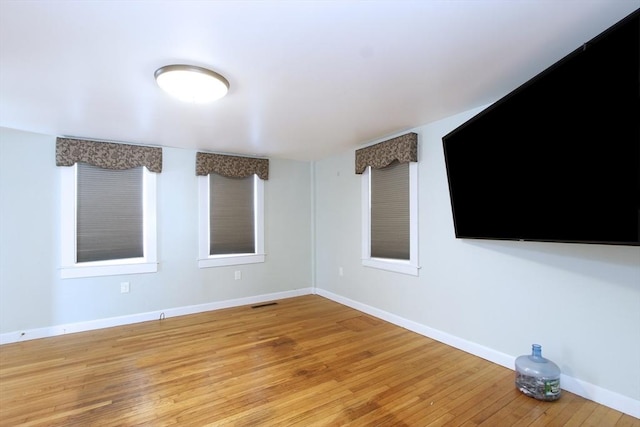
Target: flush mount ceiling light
191,84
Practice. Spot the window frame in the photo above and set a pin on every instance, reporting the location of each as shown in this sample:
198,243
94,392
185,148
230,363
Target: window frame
70,268
205,260
410,266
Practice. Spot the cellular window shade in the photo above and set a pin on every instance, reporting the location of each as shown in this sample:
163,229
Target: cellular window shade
390,212
231,210
109,213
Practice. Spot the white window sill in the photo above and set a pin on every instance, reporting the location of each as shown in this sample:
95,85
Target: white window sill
97,269
235,259
397,266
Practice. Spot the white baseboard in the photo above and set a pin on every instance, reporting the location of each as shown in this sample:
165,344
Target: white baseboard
589,391
69,328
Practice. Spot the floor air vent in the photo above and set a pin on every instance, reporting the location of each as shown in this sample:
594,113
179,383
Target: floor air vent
267,304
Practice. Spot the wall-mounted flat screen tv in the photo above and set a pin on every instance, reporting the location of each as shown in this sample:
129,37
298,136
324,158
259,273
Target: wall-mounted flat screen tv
557,159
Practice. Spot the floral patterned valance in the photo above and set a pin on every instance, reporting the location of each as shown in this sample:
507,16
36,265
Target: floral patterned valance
107,155
403,149
231,166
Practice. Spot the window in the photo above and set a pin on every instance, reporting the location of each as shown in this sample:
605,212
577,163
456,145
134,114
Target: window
108,221
231,220
108,207
390,218
390,204
109,214
231,215
389,211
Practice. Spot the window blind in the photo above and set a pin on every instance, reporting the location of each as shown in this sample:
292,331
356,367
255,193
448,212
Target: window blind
109,213
231,220
390,212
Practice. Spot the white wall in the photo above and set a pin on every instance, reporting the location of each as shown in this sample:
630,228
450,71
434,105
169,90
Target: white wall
580,302
33,296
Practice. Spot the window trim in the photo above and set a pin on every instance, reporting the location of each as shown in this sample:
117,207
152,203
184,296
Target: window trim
70,269
411,266
205,260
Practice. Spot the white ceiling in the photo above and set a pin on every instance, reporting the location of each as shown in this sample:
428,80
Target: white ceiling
308,78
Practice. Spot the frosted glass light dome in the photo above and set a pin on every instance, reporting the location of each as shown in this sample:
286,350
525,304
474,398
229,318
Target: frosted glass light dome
193,84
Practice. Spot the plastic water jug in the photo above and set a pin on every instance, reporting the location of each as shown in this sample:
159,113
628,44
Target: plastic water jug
536,376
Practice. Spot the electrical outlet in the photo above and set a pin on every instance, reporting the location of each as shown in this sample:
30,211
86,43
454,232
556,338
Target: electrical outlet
340,271
124,287
238,274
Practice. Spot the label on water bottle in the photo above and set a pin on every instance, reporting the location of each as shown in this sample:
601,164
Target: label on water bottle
552,387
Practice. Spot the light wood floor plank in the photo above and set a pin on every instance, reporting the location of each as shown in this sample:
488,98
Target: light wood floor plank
304,361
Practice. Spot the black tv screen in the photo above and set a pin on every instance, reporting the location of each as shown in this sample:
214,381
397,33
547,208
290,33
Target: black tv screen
557,159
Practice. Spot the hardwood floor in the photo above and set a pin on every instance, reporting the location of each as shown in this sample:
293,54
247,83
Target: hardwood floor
304,361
